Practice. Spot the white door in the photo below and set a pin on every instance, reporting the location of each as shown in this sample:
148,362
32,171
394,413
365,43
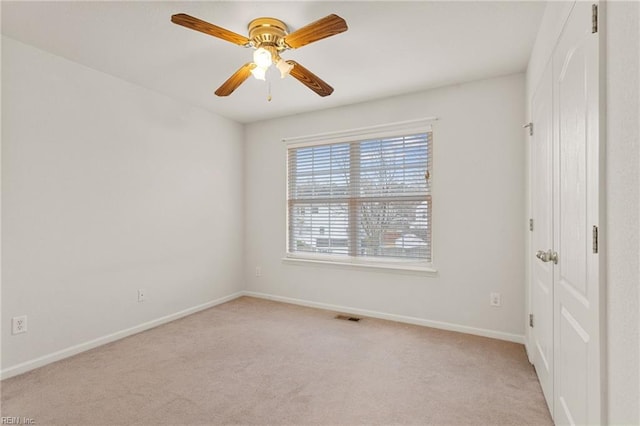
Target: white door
577,294
542,237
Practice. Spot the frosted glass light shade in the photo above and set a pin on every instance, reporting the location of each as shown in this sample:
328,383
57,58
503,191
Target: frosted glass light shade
259,73
284,68
262,58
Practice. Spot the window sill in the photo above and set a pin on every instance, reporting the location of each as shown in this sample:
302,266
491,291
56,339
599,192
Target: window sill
381,266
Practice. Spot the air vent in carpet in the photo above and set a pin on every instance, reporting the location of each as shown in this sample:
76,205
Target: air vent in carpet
347,318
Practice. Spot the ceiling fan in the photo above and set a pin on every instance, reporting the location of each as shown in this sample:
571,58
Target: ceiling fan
270,37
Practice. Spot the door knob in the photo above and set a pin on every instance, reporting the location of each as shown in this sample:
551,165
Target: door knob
542,255
547,256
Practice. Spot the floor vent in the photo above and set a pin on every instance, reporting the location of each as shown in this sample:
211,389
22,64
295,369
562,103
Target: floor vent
347,318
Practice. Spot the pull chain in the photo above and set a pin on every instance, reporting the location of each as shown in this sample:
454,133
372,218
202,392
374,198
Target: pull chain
268,91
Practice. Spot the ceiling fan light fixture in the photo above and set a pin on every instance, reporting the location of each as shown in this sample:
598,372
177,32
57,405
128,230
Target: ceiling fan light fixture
284,67
262,58
259,73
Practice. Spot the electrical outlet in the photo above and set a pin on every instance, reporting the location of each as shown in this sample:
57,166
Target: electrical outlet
19,324
141,295
496,299
258,271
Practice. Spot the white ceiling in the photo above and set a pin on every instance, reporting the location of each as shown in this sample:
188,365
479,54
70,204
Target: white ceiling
391,47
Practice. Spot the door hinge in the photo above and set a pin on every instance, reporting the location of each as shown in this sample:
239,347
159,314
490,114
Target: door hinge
594,18
531,320
594,239
530,126
530,224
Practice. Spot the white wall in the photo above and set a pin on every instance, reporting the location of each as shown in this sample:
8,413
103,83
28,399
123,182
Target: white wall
478,202
107,188
621,34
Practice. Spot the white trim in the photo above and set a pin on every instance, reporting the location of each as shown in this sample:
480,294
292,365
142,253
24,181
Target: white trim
362,133
509,337
408,267
408,127
82,347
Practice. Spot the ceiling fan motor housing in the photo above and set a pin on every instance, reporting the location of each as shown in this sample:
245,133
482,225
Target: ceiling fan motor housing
269,34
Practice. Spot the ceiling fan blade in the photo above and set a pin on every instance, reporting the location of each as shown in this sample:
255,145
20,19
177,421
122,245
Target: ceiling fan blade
309,79
235,80
207,28
322,28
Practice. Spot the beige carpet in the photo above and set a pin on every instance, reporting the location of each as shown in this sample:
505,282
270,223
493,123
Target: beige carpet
252,361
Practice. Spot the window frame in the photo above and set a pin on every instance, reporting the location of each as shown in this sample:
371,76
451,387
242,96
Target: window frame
423,125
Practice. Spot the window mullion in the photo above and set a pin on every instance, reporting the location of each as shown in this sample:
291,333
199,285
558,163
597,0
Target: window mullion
292,177
354,194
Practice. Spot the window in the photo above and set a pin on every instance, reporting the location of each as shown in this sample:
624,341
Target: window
361,195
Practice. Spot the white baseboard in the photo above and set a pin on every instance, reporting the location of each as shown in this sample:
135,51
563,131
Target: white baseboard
516,338
76,349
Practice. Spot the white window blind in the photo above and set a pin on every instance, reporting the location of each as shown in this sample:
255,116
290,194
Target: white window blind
368,198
